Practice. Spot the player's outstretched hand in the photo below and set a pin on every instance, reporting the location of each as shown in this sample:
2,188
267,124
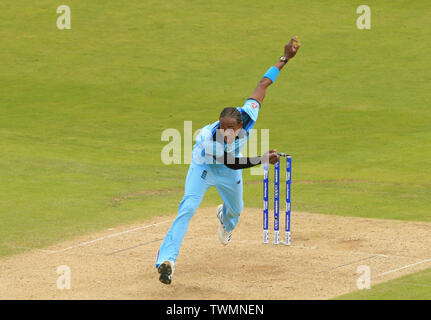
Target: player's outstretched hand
292,48
271,156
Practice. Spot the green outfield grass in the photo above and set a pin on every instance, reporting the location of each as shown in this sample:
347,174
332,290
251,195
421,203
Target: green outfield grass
82,110
416,286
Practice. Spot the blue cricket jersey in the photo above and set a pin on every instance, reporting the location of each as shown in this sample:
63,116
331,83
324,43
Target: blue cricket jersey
206,146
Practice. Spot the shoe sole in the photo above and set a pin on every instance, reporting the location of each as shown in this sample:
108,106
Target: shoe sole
165,271
218,216
230,237
221,239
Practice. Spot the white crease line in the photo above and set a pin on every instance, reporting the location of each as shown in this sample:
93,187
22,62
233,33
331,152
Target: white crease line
45,251
82,244
386,255
297,246
405,267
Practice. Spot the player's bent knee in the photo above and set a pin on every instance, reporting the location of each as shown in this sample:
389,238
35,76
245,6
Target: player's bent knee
236,210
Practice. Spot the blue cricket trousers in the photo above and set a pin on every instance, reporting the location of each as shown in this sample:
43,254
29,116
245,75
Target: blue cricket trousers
199,178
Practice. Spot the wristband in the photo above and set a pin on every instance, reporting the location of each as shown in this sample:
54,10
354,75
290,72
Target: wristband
272,73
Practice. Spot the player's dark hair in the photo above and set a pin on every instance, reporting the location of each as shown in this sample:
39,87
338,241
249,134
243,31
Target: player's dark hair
231,112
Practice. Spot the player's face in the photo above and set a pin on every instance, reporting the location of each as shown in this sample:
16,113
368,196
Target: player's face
230,128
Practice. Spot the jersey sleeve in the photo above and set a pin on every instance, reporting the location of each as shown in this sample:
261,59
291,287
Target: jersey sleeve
251,107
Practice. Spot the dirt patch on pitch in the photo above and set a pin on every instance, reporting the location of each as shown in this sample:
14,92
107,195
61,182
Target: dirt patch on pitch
321,263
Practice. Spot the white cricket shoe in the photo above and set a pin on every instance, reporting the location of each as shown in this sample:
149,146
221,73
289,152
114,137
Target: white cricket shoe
223,235
166,271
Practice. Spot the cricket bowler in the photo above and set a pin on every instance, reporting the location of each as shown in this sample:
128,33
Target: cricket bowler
217,162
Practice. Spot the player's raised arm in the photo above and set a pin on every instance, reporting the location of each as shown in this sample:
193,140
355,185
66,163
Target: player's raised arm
269,77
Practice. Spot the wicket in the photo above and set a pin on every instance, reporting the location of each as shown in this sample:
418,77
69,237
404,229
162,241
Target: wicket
277,200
